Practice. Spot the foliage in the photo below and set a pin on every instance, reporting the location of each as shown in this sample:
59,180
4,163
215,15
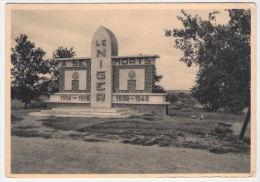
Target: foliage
222,53
60,52
157,79
181,100
29,68
172,98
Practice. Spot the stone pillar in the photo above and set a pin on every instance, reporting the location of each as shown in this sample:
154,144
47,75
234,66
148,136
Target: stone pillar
103,46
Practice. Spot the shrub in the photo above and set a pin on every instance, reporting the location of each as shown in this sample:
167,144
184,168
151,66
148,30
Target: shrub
38,103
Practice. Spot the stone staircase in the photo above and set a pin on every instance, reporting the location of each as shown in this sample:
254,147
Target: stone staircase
88,112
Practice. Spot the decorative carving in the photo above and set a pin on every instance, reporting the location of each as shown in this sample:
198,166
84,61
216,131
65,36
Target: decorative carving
104,42
131,85
101,74
63,63
101,97
75,76
75,85
131,74
81,62
75,63
102,53
99,85
100,63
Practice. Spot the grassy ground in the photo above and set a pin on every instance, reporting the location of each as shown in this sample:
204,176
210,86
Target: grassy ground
165,139
216,133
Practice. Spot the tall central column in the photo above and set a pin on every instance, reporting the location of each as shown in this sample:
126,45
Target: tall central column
103,46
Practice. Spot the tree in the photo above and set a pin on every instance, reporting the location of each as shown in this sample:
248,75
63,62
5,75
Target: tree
157,79
222,53
172,98
28,70
60,52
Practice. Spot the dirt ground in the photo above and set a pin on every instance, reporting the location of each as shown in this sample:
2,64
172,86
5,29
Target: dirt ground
96,147
60,156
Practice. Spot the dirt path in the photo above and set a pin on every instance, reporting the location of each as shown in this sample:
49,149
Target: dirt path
48,156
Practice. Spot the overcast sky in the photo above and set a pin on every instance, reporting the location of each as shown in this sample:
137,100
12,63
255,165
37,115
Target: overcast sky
137,31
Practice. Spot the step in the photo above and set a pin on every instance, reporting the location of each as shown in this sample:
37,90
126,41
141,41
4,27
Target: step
77,116
85,113
89,112
92,109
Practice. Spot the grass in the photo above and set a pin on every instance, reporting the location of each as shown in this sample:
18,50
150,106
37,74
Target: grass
132,145
94,140
214,133
164,131
15,119
206,115
37,103
29,134
57,156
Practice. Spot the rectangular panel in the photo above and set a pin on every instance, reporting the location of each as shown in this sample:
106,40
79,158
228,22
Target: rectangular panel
132,74
140,77
82,79
67,80
80,75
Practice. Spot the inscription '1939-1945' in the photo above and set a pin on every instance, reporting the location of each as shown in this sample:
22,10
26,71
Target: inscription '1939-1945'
137,98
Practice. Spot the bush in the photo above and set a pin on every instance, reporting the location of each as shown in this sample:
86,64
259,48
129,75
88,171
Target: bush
222,130
38,103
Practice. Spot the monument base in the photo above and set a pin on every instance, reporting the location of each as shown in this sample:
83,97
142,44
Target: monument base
141,102
161,109
89,112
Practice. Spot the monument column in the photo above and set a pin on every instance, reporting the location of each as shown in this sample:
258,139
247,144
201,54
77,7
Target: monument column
103,46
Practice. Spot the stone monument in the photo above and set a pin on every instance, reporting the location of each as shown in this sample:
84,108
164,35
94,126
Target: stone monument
106,83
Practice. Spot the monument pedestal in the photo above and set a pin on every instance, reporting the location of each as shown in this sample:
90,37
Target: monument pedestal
88,112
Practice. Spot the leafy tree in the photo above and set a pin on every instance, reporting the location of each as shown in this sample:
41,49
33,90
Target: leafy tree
157,79
222,53
27,73
172,98
60,52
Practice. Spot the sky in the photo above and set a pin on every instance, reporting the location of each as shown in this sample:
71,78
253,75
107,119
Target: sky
138,31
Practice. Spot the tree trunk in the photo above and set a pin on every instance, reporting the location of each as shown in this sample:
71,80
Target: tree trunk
243,130
25,105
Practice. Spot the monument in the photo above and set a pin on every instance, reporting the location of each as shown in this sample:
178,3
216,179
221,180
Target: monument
106,82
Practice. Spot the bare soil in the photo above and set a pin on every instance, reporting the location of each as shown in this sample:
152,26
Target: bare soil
149,144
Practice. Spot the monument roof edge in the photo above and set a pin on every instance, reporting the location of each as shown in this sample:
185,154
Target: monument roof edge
137,56
127,56
74,58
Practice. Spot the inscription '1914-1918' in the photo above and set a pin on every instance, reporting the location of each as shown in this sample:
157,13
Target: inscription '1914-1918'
69,97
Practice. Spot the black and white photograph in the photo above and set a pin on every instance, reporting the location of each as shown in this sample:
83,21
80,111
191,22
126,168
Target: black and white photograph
146,89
